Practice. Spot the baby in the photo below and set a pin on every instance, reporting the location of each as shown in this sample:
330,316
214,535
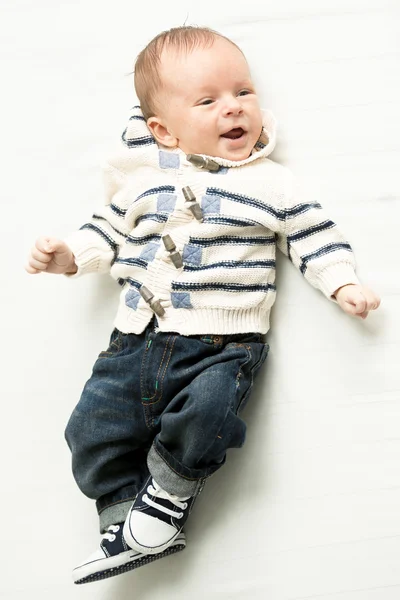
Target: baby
193,214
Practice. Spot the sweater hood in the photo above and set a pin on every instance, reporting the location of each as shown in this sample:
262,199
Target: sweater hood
139,137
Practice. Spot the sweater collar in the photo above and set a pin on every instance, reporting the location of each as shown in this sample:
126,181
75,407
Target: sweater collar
137,134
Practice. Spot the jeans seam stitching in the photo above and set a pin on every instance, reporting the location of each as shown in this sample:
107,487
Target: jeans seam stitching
161,389
165,370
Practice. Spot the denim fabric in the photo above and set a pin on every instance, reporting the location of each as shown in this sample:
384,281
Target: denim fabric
161,402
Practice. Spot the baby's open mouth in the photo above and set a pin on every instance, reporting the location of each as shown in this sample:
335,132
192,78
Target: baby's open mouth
234,134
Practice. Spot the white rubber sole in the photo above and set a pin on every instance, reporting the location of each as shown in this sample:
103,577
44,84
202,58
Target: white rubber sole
123,562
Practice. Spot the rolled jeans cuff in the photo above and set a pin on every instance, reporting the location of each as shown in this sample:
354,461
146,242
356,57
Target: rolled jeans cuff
116,513
158,462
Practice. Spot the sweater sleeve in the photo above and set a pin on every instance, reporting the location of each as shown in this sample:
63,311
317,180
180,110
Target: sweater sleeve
314,243
97,243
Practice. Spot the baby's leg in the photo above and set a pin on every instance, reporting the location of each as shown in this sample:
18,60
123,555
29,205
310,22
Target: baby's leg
109,439
107,432
209,379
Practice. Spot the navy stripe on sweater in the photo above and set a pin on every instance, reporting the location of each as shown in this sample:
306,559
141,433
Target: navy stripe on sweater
230,221
169,189
103,235
227,287
294,237
280,214
137,142
100,218
160,218
134,262
247,200
145,239
321,252
232,239
233,264
304,233
133,282
121,212
301,208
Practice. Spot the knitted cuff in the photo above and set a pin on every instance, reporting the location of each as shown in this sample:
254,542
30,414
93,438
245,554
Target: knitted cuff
90,256
335,276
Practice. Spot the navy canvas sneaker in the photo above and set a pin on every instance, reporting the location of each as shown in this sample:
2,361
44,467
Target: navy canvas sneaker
115,557
155,519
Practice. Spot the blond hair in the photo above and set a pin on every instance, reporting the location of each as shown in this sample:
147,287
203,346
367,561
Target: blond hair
147,77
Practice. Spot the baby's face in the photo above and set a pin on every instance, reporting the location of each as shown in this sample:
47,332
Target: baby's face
208,101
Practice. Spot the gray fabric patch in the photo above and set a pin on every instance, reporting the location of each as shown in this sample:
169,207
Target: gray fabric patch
149,251
166,202
181,300
132,298
168,160
192,254
211,204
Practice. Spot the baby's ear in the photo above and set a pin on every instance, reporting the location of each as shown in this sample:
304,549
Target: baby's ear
161,133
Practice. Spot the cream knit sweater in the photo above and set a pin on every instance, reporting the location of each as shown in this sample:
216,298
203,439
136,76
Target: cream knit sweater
219,276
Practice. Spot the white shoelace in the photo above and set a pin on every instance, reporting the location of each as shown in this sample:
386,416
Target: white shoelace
158,492
110,536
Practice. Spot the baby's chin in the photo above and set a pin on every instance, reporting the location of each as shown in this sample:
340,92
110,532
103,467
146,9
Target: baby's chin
236,149
235,156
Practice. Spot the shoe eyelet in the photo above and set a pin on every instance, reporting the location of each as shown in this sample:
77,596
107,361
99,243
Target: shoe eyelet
179,516
185,505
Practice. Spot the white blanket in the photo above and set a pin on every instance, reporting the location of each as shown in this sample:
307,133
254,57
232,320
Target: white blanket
309,507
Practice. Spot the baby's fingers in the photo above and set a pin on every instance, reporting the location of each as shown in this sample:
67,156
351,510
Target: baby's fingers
31,270
38,260
360,305
40,256
43,244
36,266
373,301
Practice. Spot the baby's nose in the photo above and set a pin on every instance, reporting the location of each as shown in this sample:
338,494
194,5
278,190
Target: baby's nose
233,107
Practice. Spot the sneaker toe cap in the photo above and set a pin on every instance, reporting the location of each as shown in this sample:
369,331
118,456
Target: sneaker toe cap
149,531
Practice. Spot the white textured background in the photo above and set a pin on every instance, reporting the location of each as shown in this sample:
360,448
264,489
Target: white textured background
310,507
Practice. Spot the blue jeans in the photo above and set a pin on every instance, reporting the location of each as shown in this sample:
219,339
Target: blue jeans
161,403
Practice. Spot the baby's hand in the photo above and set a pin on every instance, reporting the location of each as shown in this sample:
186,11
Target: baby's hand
357,300
52,256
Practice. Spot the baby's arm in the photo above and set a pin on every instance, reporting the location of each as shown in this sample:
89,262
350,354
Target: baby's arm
51,255
319,250
95,246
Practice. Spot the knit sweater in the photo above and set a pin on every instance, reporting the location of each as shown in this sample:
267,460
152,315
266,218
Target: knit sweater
216,272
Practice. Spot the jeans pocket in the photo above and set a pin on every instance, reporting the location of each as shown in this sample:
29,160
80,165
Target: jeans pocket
114,345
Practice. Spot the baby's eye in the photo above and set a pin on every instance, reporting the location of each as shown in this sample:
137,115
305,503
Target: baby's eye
244,92
206,102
